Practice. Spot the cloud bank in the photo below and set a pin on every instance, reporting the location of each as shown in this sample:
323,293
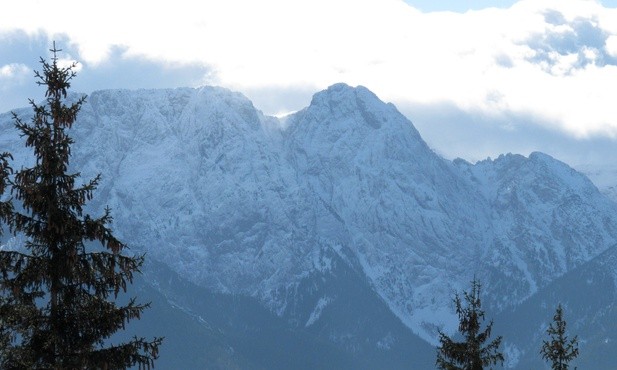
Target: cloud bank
555,60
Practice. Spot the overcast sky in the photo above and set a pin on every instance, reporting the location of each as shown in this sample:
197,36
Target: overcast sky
477,78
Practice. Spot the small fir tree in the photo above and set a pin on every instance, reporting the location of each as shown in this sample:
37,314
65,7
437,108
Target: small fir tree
473,353
559,350
57,291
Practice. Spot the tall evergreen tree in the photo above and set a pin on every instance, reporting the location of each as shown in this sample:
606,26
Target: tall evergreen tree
58,290
473,353
559,350
5,212
5,170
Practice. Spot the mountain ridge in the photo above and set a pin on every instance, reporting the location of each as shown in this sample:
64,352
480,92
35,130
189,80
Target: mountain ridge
242,204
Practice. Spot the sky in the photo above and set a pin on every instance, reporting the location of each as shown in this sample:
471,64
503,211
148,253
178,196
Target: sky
477,78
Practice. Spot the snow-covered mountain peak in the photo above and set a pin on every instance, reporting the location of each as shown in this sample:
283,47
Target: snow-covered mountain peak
357,108
352,123
568,176
203,181
178,108
337,94
539,172
542,214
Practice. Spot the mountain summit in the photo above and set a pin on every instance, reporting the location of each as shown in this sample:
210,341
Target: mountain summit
344,203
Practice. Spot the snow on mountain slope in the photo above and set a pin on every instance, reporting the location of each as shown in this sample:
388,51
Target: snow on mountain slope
196,178
546,219
412,224
242,204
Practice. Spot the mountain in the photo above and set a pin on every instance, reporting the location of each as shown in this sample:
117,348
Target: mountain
603,176
589,296
546,220
338,226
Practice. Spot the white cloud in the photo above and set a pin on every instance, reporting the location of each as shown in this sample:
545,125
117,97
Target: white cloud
554,59
13,70
611,45
68,62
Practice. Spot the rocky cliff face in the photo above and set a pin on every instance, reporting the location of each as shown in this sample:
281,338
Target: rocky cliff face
245,204
545,217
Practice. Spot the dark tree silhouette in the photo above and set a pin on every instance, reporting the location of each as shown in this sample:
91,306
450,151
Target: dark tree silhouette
5,211
473,353
559,350
58,289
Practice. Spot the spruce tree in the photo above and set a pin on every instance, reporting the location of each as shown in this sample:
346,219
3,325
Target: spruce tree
559,350
473,353
5,212
58,289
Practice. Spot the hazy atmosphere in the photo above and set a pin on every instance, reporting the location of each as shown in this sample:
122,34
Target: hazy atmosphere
477,78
